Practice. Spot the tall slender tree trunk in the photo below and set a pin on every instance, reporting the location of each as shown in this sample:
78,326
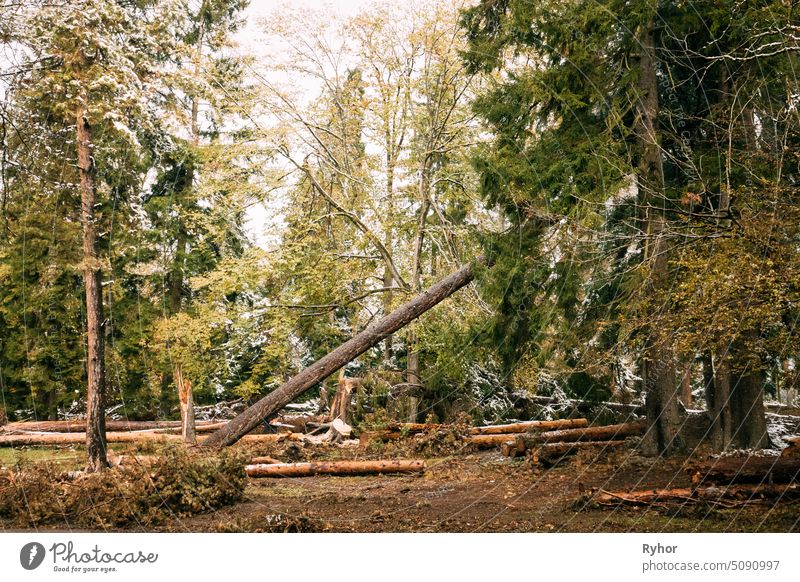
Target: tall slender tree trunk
95,364
412,357
658,366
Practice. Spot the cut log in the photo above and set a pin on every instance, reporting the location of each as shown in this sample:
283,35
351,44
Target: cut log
20,440
335,468
593,433
746,469
531,425
111,425
725,497
526,441
351,349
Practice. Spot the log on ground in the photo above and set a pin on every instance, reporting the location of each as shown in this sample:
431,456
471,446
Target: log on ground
335,468
111,425
20,440
746,469
531,425
724,497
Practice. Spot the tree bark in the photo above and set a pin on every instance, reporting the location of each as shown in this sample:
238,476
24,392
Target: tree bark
593,433
335,468
186,403
113,425
747,411
540,425
658,365
324,367
18,440
95,363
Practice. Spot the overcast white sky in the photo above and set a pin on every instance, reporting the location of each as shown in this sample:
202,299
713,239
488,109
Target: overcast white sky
264,222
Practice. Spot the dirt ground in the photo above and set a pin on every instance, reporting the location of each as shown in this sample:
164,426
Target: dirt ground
484,492
461,491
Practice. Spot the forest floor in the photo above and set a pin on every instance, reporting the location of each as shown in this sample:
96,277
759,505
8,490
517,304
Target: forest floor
484,493
461,491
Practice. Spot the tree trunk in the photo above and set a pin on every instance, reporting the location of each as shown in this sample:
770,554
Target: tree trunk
95,363
412,354
186,403
721,420
324,367
334,468
747,411
686,384
658,365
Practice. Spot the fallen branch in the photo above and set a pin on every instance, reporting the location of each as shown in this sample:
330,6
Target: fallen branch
335,468
724,497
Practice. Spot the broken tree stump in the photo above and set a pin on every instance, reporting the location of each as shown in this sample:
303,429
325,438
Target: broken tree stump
746,469
335,468
351,349
186,403
342,401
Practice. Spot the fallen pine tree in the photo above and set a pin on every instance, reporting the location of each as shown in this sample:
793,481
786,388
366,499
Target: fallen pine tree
723,497
746,469
335,468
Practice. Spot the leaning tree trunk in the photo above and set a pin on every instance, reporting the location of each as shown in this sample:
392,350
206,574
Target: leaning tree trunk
663,411
95,363
324,367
